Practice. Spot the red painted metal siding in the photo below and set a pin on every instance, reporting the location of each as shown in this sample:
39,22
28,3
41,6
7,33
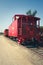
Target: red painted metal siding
13,29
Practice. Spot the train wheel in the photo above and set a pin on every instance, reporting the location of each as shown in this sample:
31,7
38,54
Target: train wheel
35,42
14,38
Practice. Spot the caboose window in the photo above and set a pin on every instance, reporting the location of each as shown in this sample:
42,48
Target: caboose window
24,28
38,23
19,22
23,19
29,21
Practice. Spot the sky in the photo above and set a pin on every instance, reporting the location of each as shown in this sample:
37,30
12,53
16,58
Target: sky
8,8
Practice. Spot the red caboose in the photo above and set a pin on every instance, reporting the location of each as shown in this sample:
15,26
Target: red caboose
25,28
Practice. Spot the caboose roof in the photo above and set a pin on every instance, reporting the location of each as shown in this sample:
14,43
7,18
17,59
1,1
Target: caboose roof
30,16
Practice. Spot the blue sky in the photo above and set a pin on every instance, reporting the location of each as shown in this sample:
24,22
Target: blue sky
8,8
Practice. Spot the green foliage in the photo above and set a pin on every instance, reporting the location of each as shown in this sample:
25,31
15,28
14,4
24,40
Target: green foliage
41,26
31,13
34,13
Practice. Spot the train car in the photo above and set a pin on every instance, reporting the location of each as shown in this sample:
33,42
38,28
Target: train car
25,28
6,32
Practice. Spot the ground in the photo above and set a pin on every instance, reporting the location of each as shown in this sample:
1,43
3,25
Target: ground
13,54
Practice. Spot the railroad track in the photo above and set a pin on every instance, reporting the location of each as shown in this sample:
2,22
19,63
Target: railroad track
36,55
38,51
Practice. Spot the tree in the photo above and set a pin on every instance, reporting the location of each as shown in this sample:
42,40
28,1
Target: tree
28,12
34,13
31,13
